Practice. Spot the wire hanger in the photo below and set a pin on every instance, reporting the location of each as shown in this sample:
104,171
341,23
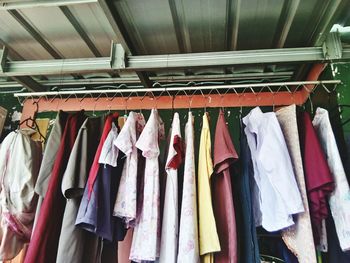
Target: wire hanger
34,125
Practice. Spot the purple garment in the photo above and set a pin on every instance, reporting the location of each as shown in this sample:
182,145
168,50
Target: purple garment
95,214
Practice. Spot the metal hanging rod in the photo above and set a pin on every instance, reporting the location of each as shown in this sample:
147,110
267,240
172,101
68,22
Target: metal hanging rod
177,89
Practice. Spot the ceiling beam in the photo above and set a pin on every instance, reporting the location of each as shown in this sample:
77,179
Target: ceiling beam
13,5
172,61
35,34
285,75
123,38
29,83
25,81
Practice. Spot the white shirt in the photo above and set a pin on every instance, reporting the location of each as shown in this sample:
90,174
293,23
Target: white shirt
109,152
125,204
278,194
339,200
188,251
169,237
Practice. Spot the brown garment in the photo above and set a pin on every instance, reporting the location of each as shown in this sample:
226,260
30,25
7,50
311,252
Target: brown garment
224,156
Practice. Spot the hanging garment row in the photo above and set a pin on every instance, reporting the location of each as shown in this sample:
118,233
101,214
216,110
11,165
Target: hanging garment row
97,195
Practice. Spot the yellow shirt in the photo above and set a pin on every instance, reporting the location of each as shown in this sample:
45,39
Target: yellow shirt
208,236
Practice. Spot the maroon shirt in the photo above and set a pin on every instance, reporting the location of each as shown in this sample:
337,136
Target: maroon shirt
224,156
44,242
318,178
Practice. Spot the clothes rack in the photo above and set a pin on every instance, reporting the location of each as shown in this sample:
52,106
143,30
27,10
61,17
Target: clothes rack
244,95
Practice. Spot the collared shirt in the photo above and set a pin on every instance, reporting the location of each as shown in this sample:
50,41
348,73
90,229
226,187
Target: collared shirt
125,204
188,251
208,236
169,238
339,200
146,238
278,195
224,156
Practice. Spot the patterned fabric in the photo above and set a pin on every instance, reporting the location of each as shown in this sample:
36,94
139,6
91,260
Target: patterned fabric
208,236
339,200
188,251
169,238
298,238
146,238
125,205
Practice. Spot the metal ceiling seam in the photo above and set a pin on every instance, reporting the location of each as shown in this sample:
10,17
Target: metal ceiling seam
287,16
233,14
181,30
80,30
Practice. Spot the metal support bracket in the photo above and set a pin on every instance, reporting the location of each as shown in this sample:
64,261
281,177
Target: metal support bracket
332,47
3,58
117,57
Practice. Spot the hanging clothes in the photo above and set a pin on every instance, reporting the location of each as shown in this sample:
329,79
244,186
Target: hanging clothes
44,242
20,159
208,235
125,205
170,228
339,201
298,237
124,246
146,237
49,157
318,178
273,172
188,251
77,245
243,184
95,214
225,156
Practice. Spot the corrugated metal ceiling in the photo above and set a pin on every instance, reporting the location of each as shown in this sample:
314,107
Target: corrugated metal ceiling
83,30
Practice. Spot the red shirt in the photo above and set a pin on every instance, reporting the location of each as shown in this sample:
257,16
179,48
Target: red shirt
224,156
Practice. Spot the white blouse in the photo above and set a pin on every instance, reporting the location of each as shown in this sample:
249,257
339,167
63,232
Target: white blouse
277,196
125,204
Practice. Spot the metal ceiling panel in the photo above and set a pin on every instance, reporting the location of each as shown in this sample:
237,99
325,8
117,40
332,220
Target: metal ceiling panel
96,25
149,25
57,30
15,36
258,23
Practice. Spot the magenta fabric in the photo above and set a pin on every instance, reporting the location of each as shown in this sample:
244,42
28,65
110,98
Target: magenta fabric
318,178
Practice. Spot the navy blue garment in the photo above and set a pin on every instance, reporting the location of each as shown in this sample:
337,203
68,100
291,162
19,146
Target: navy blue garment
248,247
335,254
